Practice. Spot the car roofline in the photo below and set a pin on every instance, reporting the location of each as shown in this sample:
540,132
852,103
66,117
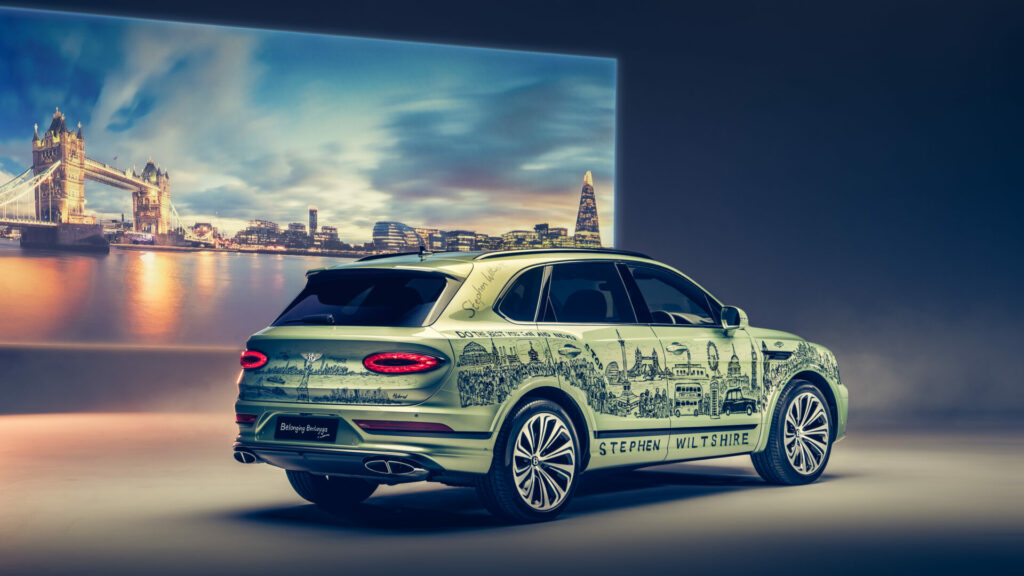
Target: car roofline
534,251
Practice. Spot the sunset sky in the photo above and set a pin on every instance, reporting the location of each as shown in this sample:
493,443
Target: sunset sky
258,124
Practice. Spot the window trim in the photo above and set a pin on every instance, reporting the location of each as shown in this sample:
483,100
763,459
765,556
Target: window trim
713,303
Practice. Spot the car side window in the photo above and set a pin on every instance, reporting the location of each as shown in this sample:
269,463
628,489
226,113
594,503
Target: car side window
672,299
519,302
587,292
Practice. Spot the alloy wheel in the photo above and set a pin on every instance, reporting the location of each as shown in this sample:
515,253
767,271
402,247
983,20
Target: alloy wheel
806,433
544,461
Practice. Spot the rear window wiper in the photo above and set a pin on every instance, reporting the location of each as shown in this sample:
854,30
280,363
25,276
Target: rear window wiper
313,319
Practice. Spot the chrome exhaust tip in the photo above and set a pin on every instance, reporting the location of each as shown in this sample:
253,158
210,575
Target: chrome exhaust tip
392,467
245,457
400,468
378,466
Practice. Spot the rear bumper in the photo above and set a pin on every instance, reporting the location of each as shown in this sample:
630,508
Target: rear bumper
466,450
385,467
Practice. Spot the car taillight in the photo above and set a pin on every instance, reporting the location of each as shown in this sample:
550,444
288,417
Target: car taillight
245,418
401,426
253,359
400,362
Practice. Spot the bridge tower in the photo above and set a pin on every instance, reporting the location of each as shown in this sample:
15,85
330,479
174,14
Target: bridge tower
152,204
62,198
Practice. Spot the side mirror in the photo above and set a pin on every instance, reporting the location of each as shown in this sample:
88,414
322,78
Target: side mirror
733,318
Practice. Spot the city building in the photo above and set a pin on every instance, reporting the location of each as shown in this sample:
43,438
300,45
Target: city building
588,232
394,237
432,238
460,240
296,236
520,239
312,220
259,233
485,242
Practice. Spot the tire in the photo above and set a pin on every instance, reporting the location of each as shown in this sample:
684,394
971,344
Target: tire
811,452
548,476
334,493
728,412
750,410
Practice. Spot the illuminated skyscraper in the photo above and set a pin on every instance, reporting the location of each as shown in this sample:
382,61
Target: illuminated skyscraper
394,237
588,233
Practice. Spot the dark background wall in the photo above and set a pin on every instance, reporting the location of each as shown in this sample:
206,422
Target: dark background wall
850,172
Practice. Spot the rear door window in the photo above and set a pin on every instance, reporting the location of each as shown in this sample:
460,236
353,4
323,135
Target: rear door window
587,292
381,297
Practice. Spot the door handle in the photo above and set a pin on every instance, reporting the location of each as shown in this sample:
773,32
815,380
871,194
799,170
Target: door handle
569,350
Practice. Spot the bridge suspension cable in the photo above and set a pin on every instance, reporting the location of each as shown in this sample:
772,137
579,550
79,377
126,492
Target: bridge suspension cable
189,233
14,181
13,191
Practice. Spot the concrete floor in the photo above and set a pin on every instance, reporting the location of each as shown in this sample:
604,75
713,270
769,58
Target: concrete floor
160,494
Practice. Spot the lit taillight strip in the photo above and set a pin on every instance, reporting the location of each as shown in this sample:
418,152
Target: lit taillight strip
252,359
400,362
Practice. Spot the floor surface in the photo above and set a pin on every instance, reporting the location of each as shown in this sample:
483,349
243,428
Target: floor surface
160,494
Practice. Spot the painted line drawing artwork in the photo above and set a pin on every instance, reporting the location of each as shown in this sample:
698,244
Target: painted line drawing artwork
637,385
286,378
780,366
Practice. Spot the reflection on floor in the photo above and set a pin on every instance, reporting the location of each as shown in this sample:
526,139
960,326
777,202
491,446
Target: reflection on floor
159,493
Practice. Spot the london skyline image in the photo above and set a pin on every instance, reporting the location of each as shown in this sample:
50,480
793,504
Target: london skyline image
260,125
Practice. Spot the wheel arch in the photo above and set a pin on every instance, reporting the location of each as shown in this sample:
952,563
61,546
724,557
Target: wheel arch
566,402
818,381
822,384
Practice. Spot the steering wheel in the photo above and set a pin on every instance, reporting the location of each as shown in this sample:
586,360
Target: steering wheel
663,317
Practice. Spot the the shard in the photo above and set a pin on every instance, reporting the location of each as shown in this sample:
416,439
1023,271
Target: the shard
588,232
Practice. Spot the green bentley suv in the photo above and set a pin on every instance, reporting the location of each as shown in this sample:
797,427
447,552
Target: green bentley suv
515,372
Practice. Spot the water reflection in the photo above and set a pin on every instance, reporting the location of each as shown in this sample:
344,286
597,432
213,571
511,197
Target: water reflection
153,297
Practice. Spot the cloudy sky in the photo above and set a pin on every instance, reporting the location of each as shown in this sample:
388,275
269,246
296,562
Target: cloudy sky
257,124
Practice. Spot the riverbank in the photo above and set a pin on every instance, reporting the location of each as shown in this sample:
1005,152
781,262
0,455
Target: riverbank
290,252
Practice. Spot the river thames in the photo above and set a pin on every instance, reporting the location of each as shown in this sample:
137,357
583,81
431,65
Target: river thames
144,298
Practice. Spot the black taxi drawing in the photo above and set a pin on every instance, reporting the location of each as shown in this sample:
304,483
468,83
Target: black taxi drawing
515,372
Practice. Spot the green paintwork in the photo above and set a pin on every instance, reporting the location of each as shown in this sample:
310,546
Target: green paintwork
622,378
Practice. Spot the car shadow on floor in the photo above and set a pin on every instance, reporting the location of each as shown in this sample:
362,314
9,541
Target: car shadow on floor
445,509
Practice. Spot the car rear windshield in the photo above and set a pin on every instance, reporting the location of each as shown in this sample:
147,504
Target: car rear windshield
380,297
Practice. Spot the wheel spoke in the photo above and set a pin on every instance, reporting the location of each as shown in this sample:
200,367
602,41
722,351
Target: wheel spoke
520,452
821,447
819,429
557,492
566,470
563,450
553,435
812,458
814,414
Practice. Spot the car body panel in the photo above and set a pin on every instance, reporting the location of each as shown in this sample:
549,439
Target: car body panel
628,381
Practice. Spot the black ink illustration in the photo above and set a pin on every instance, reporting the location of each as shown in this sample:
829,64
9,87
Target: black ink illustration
807,356
637,385
287,379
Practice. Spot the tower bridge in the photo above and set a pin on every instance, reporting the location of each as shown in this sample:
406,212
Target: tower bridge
56,185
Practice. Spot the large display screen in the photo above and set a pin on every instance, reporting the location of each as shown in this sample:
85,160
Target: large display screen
161,181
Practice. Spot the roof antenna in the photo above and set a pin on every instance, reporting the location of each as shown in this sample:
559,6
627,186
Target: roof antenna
424,252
